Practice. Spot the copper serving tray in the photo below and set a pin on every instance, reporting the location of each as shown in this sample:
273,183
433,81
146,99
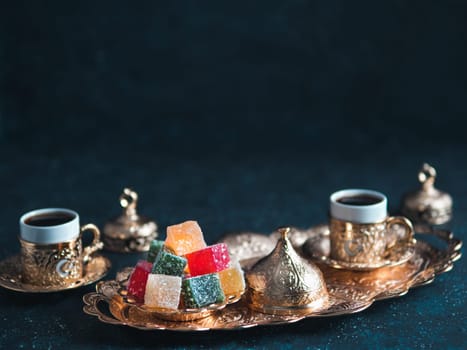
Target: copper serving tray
350,291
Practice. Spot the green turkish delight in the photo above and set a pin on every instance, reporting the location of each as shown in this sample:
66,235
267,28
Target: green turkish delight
202,290
169,264
154,249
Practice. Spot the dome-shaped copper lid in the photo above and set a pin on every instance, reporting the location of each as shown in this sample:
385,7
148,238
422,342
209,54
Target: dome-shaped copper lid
130,232
284,283
428,204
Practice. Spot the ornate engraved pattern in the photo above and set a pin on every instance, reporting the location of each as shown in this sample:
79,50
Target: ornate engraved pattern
285,283
55,264
349,291
369,246
318,247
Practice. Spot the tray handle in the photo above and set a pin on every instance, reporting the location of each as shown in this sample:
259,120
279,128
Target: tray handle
453,249
91,307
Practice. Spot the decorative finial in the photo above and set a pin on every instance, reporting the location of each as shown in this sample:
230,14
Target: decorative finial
427,176
284,231
428,204
128,201
129,232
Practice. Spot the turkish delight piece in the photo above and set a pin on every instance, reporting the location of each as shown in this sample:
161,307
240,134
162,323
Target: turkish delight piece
139,276
169,264
201,291
163,291
232,279
208,260
155,247
185,238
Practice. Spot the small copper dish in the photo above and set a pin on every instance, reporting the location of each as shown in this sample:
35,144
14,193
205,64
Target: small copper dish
179,315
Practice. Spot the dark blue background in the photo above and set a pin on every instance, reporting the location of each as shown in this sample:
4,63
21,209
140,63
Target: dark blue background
244,116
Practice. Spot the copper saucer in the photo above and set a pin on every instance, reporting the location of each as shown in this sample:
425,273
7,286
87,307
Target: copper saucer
313,248
10,275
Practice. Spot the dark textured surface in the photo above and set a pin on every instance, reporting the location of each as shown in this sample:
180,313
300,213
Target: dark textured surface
242,116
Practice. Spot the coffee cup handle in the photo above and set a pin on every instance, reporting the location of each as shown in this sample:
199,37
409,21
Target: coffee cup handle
96,243
408,238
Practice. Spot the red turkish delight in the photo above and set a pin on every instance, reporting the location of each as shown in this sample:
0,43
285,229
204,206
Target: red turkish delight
138,280
208,260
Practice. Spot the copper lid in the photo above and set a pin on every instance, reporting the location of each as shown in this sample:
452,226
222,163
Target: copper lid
129,232
428,204
283,283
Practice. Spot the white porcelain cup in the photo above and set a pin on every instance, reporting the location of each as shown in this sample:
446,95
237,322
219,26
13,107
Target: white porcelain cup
359,206
49,226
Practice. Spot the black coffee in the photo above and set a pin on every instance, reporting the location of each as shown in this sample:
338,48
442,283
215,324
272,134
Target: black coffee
49,219
362,199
